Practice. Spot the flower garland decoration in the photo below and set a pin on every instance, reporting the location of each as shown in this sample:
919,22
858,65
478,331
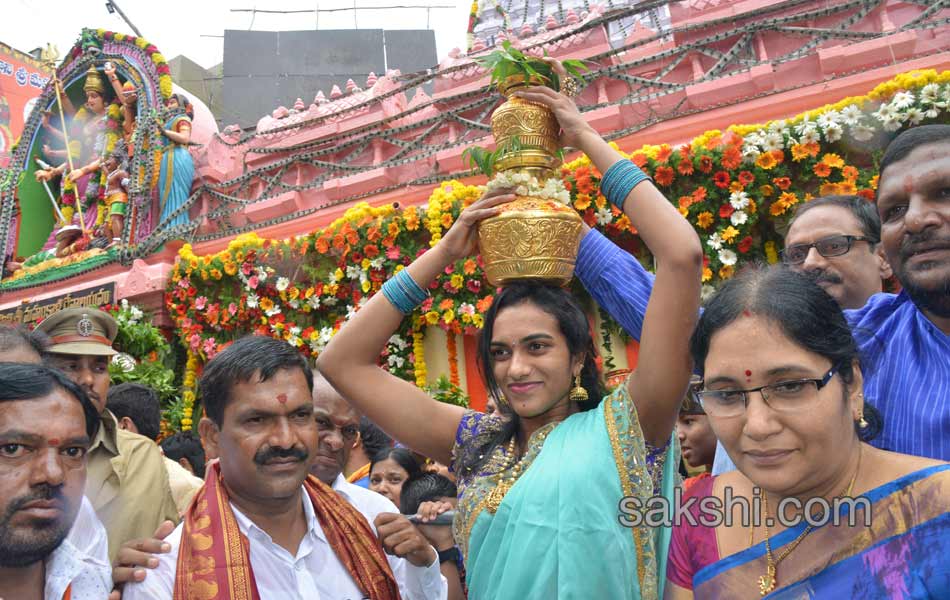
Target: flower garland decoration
451,345
189,385
737,187
419,354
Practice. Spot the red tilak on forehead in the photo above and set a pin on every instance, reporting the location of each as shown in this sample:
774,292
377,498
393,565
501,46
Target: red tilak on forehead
909,184
53,443
746,313
282,398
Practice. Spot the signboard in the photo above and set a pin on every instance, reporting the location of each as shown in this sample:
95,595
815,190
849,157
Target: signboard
31,313
22,78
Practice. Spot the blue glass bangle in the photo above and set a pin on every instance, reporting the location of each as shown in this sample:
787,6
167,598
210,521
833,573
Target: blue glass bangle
619,180
403,292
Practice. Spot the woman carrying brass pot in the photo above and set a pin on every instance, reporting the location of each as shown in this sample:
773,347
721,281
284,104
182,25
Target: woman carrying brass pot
541,483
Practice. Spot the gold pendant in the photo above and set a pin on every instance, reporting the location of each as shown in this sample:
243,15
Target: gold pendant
767,581
496,496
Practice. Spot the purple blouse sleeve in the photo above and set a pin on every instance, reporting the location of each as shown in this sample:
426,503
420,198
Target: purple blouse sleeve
692,547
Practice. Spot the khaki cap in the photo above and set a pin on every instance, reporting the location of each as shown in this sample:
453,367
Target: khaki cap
83,331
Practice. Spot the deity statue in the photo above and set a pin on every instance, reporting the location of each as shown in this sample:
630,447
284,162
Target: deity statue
86,141
178,168
117,183
128,96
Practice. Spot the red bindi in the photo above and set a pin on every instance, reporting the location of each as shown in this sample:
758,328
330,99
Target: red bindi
53,443
909,184
748,373
282,398
746,313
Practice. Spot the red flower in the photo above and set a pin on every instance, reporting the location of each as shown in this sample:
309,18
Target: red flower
663,154
685,166
474,285
371,251
663,176
726,210
745,178
705,163
721,179
150,50
163,69
782,183
745,245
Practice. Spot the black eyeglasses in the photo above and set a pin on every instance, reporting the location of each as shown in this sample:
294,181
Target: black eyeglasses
783,396
835,245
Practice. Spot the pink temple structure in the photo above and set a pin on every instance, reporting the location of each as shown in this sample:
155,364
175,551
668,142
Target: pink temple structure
386,140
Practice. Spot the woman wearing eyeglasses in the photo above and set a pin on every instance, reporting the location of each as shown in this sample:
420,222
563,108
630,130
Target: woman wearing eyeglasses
782,390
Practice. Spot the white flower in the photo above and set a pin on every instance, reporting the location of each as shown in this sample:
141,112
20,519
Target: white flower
891,125
350,312
885,113
274,310
773,141
750,152
805,125
833,132
914,115
325,335
314,301
851,114
727,257
706,292
810,136
261,274
739,200
604,216
862,133
124,303
903,99
282,284
394,360
252,300
331,301
377,263
931,113
739,217
397,341
714,241
294,304
295,330
930,93
353,271
829,118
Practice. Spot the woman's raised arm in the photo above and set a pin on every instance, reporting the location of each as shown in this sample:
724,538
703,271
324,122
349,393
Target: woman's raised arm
658,384
349,361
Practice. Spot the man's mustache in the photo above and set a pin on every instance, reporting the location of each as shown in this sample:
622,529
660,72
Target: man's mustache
40,492
269,453
823,276
919,242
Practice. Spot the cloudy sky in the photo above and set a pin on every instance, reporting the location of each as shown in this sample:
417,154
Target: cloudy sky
194,27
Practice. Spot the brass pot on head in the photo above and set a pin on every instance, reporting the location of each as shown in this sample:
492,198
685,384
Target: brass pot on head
534,238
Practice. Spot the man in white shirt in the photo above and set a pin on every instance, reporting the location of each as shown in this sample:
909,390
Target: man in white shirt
338,425
258,521
47,424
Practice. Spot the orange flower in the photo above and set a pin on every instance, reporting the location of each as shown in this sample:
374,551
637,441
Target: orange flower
685,202
699,194
752,207
766,161
782,183
704,220
639,159
600,201
799,152
484,304
371,251
584,185
469,267
731,157
685,166
867,194
778,208
446,220
766,190
821,169
848,188
812,148
582,202
684,212
663,154
745,178
873,183
393,228
833,160
446,304
850,173
705,164
663,176
373,233
707,274
726,272
828,189
713,141
788,198
736,186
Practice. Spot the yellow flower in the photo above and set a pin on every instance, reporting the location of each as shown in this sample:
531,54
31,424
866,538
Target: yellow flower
448,316
726,272
457,281
338,274
366,285
766,161
704,219
478,320
266,304
771,254
833,160
230,268
707,274
432,317
215,274
729,234
766,190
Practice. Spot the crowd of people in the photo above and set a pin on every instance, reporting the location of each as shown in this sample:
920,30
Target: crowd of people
795,388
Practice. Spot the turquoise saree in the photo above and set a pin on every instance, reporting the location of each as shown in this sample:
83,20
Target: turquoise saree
558,533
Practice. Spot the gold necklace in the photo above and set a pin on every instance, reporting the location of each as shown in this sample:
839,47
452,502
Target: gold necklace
504,484
768,581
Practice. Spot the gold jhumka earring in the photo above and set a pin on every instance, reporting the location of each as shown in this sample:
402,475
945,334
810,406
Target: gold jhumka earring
578,393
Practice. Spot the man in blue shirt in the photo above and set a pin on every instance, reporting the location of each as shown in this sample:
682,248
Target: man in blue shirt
904,338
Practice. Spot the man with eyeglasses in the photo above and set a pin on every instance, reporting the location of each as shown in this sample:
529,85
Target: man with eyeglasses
904,338
836,241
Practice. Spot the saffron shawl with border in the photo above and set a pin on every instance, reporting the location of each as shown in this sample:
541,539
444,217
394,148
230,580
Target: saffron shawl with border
904,553
214,557
558,533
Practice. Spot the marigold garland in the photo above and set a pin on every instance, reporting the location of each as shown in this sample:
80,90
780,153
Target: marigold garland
418,355
451,345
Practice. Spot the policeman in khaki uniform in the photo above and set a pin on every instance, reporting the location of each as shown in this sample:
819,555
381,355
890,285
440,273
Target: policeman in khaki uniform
126,480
